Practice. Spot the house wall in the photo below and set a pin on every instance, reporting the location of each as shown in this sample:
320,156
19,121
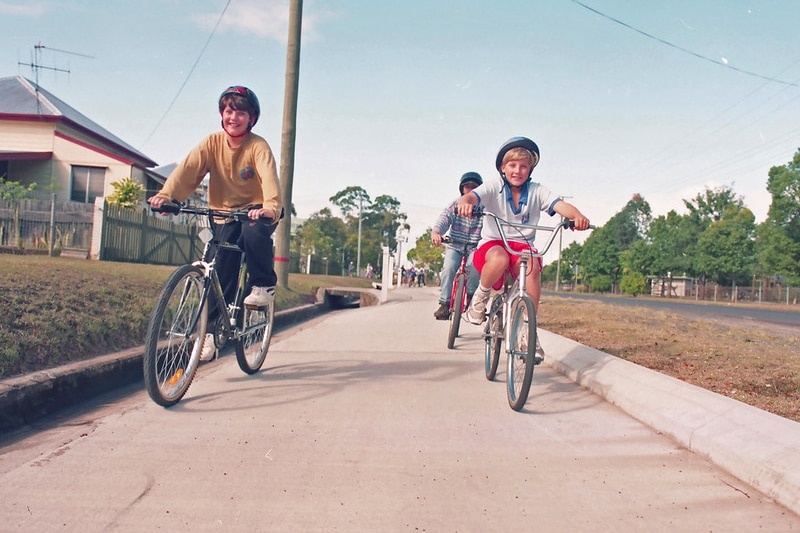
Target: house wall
26,136
69,147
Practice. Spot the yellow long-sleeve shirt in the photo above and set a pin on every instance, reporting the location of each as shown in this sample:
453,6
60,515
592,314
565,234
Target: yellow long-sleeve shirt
239,177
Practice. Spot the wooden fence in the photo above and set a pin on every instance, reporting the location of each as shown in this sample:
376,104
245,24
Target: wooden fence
138,236
32,225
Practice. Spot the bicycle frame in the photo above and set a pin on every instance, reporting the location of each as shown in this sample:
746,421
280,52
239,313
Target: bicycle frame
512,319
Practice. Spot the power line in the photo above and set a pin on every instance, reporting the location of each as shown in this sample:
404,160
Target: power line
189,75
684,50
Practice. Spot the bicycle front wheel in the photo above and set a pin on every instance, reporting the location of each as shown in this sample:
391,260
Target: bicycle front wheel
521,352
457,307
493,335
175,336
253,343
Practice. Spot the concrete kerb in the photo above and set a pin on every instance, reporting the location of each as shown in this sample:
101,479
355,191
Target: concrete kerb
758,447
24,399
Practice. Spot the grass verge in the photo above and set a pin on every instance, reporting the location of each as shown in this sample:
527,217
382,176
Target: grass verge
755,365
59,310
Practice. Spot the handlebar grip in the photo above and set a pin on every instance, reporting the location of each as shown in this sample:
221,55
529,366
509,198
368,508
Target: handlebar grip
167,207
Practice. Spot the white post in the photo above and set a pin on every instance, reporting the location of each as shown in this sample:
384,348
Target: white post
386,275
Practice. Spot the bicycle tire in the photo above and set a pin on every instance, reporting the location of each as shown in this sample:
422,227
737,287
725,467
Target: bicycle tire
457,307
493,335
521,352
171,352
253,343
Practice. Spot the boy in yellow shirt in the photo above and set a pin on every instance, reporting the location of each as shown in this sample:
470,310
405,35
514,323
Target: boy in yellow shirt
242,175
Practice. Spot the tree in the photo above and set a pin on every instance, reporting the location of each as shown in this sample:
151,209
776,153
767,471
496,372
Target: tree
633,283
12,190
351,200
127,193
375,221
425,254
322,234
779,235
709,205
726,250
602,249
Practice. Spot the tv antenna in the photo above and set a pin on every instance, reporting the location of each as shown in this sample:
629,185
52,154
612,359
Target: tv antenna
36,64
36,60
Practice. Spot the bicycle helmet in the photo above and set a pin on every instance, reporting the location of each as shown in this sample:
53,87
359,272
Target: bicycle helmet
469,177
251,99
517,142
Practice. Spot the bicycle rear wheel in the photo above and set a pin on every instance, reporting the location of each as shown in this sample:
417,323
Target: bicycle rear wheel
493,335
172,348
252,345
457,307
521,352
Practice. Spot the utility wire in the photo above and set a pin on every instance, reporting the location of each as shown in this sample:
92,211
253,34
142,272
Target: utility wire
684,50
189,75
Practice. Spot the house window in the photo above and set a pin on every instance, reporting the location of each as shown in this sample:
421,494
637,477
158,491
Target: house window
88,183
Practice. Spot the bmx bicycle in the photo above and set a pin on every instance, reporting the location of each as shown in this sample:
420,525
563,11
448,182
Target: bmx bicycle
458,293
179,321
511,316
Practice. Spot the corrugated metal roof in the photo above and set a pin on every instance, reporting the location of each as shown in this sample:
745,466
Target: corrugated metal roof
21,97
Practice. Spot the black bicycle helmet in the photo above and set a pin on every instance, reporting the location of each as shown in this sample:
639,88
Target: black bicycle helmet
251,98
469,177
517,142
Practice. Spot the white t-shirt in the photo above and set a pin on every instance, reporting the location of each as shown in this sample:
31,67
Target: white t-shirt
495,197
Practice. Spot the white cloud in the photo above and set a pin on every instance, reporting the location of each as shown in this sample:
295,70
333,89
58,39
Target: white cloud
28,10
268,19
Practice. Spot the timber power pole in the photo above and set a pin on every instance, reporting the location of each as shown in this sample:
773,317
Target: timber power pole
283,234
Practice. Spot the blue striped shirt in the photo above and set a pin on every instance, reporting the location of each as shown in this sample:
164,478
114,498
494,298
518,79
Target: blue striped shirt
462,229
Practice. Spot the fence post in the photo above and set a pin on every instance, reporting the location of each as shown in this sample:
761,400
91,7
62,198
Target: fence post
99,236
53,225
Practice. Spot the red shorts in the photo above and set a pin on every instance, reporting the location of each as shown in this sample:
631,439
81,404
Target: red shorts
479,258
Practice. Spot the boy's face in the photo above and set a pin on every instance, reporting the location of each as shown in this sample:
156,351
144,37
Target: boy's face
517,171
235,122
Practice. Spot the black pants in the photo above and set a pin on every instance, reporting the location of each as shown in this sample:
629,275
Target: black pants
255,238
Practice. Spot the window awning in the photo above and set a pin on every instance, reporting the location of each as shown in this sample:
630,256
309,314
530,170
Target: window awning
7,155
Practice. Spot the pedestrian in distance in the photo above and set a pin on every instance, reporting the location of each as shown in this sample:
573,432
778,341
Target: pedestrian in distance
466,232
515,198
242,176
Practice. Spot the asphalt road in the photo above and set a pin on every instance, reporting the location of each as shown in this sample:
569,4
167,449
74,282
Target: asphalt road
763,313
363,420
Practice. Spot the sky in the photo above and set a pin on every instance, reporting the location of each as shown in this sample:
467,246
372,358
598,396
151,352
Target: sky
623,97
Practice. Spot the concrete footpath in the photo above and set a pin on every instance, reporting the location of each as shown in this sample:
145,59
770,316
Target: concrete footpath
363,420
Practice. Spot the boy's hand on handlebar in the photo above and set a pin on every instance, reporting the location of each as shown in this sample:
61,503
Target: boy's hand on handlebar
258,212
161,205
436,238
580,222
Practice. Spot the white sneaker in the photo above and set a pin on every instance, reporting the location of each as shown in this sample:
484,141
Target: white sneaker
476,313
209,350
539,349
260,296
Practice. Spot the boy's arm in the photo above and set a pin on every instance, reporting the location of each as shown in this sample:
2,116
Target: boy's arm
465,203
571,212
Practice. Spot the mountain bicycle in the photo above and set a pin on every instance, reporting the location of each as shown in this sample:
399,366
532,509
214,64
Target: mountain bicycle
458,293
511,317
179,321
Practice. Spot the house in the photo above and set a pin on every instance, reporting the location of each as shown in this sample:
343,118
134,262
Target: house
45,141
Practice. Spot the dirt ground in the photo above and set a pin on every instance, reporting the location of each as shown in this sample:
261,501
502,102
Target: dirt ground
757,363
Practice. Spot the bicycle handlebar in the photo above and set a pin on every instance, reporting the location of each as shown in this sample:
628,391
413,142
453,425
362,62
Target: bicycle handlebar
175,208
554,230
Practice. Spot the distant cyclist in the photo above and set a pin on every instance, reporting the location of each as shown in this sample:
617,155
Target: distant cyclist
517,199
462,229
242,175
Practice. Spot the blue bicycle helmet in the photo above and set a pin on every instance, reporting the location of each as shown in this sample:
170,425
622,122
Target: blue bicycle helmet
251,99
517,142
469,177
